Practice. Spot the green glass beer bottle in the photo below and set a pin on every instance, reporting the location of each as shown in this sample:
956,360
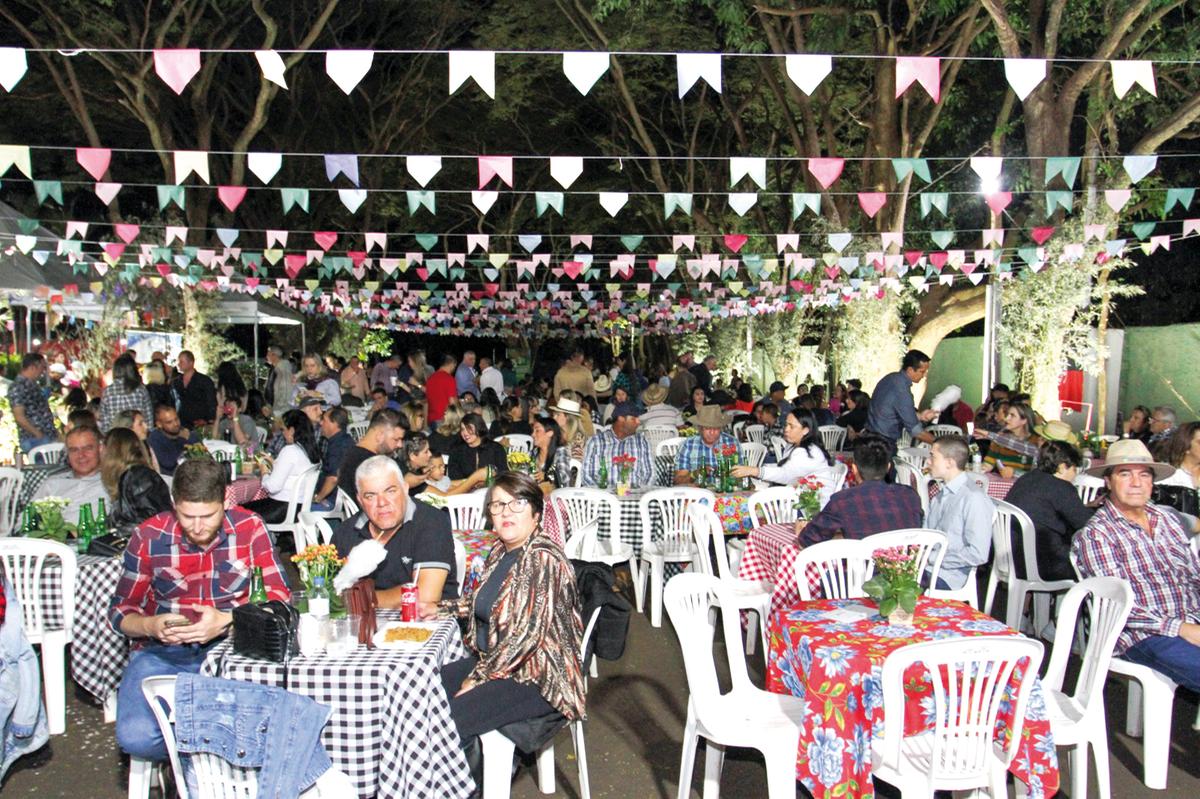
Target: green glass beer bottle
258,589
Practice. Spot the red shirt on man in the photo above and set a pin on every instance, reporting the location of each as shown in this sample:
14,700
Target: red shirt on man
440,388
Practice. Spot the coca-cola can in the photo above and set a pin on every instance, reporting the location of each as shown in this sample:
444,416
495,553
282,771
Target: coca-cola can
408,602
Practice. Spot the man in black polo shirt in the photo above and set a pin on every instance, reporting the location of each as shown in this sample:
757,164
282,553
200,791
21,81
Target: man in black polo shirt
415,535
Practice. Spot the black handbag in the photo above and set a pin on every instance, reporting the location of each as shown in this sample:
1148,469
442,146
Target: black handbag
266,631
1181,498
109,545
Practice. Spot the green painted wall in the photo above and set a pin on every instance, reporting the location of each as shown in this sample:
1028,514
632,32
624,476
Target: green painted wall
959,362
1160,368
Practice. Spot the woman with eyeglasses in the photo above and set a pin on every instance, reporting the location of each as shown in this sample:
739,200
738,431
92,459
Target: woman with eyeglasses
524,631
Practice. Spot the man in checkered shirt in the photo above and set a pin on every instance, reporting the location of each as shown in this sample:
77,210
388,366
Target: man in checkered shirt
184,572
1132,538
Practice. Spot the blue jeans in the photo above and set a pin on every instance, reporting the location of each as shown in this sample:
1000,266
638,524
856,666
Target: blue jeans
28,442
1174,657
137,729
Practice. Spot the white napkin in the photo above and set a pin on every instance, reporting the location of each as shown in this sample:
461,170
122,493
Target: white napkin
362,560
945,398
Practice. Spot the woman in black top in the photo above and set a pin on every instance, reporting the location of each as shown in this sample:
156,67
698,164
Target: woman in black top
475,450
855,418
1047,494
514,412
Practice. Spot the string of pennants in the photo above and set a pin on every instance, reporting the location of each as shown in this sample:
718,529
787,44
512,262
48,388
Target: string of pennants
347,68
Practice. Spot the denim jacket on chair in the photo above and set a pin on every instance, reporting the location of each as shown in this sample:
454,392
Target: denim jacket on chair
253,726
22,714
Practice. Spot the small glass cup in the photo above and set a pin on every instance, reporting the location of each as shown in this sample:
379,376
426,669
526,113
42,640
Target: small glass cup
300,600
343,636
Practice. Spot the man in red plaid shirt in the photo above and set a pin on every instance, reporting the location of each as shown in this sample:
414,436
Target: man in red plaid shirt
184,572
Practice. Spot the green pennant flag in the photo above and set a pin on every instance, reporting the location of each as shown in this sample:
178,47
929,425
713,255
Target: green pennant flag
548,199
416,199
292,197
48,188
942,238
1142,229
935,199
803,200
1067,167
1055,199
426,240
911,166
27,226
171,194
1181,196
632,242
161,253
673,200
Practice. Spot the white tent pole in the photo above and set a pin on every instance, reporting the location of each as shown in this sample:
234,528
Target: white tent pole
256,353
29,328
303,342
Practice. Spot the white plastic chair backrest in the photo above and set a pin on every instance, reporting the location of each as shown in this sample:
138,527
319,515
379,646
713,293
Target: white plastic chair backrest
832,436
931,548
832,478
576,467
842,565
914,456
969,677
753,454
905,439
160,695
466,510
1109,601
314,529
588,629
48,453
1088,487
656,434
357,429
671,506
905,473
669,446
261,433
755,433
1003,514
24,562
11,481
707,529
773,505
586,506
344,505
519,442
778,444
301,488
689,599
220,450
584,541
460,561
736,429
939,430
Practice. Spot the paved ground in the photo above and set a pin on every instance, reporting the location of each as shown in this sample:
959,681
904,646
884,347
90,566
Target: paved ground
636,721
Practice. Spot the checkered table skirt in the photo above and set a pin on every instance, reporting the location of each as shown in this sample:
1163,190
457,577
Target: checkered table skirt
390,730
997,487
771,555
98,652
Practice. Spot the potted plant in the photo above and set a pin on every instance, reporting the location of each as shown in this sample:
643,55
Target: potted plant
623,465
48,521
318,564
895,585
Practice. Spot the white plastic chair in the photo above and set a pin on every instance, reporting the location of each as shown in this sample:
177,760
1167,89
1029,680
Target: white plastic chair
460,562
220,450
498,750
313,529
674,545
217,778
1088,487
746,716
1149,706
774,505
576,467
778,444
755,433
969,677
11,481
300,499
24,562
1003,569
842,566
940,430
518,442
832,478
466,510
915,457
357,430
343,507
753,454
931,548
1077,719
752,595
915,479
585,509
833,436
261,434
656,434
669,446
48,453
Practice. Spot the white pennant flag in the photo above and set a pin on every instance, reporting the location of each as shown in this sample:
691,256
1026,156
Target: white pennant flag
264,165
756,168
807,71
188,161
613,201
741,202
272,67
484,200
348,67
352,198
477,64
1126,73
583,69
566,169
423,167
1024,74
692,66
12,66
987,167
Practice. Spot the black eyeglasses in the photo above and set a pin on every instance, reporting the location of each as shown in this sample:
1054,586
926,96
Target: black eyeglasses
515,505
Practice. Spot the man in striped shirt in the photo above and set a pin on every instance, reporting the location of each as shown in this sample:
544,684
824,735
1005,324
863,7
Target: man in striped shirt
1132,538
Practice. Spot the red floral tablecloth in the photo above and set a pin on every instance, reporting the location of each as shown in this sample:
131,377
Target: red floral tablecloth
243,490
735,512
836,666
477,543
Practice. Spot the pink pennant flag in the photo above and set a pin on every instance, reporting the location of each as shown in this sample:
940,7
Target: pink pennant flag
871,202
478,240
892,239
495,166
94,160
585,240
113,250
999,201
126,233
785,240
1116,198
107,192
1041,234
826,170
1191,226
735,242
325,239
1096,232
376,240
177,67
293,263
688,242
231,196
279,237
176,232
925,70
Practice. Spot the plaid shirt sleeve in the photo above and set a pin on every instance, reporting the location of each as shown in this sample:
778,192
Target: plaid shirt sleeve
132,594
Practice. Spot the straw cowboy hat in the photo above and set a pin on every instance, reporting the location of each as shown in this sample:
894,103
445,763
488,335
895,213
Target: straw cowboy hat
654,395
1131,452
1055,430
709,416
603,384
568,406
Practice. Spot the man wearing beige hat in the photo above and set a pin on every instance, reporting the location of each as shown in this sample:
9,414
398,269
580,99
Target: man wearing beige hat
1132,538
658,412
703,450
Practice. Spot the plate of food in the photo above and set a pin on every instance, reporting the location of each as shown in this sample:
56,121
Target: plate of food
404,634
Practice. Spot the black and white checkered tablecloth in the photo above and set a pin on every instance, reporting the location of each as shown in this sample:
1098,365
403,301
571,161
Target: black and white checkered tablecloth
98,652
32,477
390,730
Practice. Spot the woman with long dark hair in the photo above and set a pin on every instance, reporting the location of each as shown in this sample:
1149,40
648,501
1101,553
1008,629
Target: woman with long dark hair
230,386
299,454
514,412
805,452
124,393
475,450
552,458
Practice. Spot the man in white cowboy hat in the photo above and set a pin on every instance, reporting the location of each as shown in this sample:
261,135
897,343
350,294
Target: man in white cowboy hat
658,413
1132,538
703,450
